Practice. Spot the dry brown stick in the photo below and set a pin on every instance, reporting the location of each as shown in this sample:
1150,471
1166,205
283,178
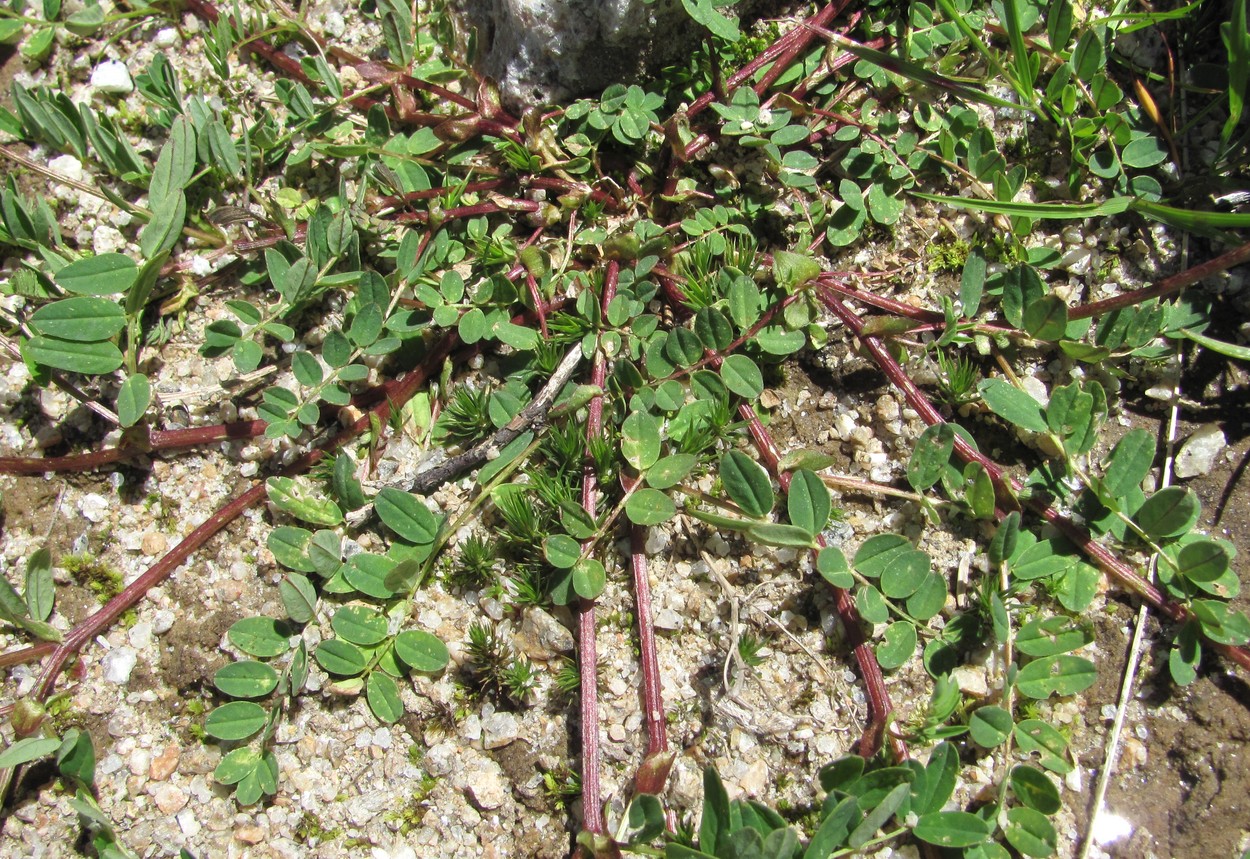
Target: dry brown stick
533,415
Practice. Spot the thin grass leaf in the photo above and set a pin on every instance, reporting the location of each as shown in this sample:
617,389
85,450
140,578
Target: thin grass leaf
1046,211
921,75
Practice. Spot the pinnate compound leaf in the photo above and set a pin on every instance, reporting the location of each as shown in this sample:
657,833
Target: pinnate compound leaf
1013,405
421,651
237,720
747,483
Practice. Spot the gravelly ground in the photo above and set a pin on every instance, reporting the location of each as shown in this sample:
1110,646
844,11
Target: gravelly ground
428,786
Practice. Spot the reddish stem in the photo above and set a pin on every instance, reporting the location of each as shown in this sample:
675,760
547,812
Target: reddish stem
157,441
491,207
879,705
1006,488
788,46
433,193
1167,286
592,803
158,572
652,691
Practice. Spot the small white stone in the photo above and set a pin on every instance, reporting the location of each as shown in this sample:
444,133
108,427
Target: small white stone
95,507
112,76
498,730
971,681
140,635
755,779
1036,389
118,664
1199,451
486,789
163,621
165,38
106,240
67,166
187,823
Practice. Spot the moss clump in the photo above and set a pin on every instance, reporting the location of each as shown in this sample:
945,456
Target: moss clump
409,817
95,575
947,256
310,830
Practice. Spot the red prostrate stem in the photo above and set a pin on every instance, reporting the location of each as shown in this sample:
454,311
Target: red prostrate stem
158,441
652,692
879,706
1006,488
588,659
1167,286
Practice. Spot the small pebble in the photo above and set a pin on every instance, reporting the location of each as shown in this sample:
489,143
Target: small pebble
169,799
118,664
94,506
164,764
1199,452
112,76
154,543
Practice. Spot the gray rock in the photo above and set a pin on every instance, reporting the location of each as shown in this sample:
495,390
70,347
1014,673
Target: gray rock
499,729
543,637
1199,451
544,51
